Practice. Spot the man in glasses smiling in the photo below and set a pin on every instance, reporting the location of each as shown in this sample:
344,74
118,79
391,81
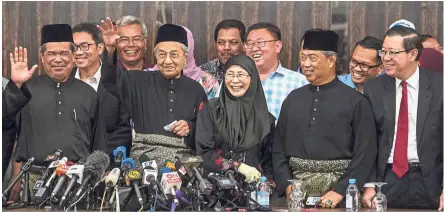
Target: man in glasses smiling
364,64
131,41
89,42
264,43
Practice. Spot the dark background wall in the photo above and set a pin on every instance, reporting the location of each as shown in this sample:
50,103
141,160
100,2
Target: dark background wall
22,21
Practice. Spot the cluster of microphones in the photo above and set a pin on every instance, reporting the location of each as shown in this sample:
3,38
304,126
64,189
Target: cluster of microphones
139,184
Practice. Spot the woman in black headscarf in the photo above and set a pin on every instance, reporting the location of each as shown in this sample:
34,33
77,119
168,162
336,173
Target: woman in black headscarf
235,130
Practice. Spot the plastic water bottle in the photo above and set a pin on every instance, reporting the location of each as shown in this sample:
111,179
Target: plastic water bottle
263,192
352,196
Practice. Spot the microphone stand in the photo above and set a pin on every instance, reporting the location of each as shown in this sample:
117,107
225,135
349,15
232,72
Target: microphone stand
24,171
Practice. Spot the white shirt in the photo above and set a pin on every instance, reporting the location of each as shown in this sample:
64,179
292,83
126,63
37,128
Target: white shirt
412,101
94,80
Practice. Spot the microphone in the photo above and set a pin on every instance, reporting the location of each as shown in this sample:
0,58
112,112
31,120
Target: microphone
23,170
127,164
119,154
51,158
134,176
43,192
75,172
95,166
230,174
56,164
61,172
169,164
170,183
193,163
113,178
149,172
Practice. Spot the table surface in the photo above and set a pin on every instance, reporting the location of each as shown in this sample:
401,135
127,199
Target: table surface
282,209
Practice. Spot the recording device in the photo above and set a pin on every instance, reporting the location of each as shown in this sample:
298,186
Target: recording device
134,176
119,154
222,182
25,168
95,166
75,172
61,172
192,163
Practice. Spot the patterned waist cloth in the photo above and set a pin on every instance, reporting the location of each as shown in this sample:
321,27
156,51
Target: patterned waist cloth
317,176
159,148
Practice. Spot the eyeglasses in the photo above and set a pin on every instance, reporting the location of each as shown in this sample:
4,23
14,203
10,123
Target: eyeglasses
126,40
163,55
391,54
362,66
231,76
84,46
261,43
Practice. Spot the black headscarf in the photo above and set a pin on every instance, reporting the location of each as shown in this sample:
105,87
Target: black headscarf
242,121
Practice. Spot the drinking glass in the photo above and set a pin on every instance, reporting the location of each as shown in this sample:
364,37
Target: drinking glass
379,201
297,196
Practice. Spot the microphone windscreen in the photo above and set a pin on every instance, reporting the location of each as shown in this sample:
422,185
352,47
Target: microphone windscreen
96,164
144,157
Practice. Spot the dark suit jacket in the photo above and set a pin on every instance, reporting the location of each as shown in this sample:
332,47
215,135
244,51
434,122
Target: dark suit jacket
116,118
381,93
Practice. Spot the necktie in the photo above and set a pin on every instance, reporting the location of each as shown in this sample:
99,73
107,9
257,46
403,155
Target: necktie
400,162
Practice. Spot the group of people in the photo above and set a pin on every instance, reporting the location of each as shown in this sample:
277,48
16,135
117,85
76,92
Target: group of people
243,110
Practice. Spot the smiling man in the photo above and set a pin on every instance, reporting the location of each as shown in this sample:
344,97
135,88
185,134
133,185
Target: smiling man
263,45
364,64
89,42
131,44
325,134
155,99
56,110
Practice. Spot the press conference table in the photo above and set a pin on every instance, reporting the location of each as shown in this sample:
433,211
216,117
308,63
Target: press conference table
282,209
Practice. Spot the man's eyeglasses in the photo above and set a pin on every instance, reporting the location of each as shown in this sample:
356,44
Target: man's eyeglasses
261,43
362,66
390,53
84,46
230,76
163,55
126,40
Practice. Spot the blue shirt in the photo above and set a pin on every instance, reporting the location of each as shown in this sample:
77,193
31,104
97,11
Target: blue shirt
347,79
278,85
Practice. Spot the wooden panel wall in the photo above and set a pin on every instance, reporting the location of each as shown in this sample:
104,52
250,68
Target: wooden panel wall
22,21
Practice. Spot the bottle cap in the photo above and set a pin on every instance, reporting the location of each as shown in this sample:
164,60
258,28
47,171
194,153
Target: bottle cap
352,181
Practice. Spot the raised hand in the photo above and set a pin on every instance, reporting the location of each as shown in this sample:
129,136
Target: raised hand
109,32
19,66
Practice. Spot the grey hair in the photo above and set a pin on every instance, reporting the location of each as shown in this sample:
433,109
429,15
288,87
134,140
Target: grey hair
72,47
331,54
129,20
184,48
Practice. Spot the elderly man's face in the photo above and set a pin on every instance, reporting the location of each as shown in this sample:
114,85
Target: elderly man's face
316,66
171,58
58,60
